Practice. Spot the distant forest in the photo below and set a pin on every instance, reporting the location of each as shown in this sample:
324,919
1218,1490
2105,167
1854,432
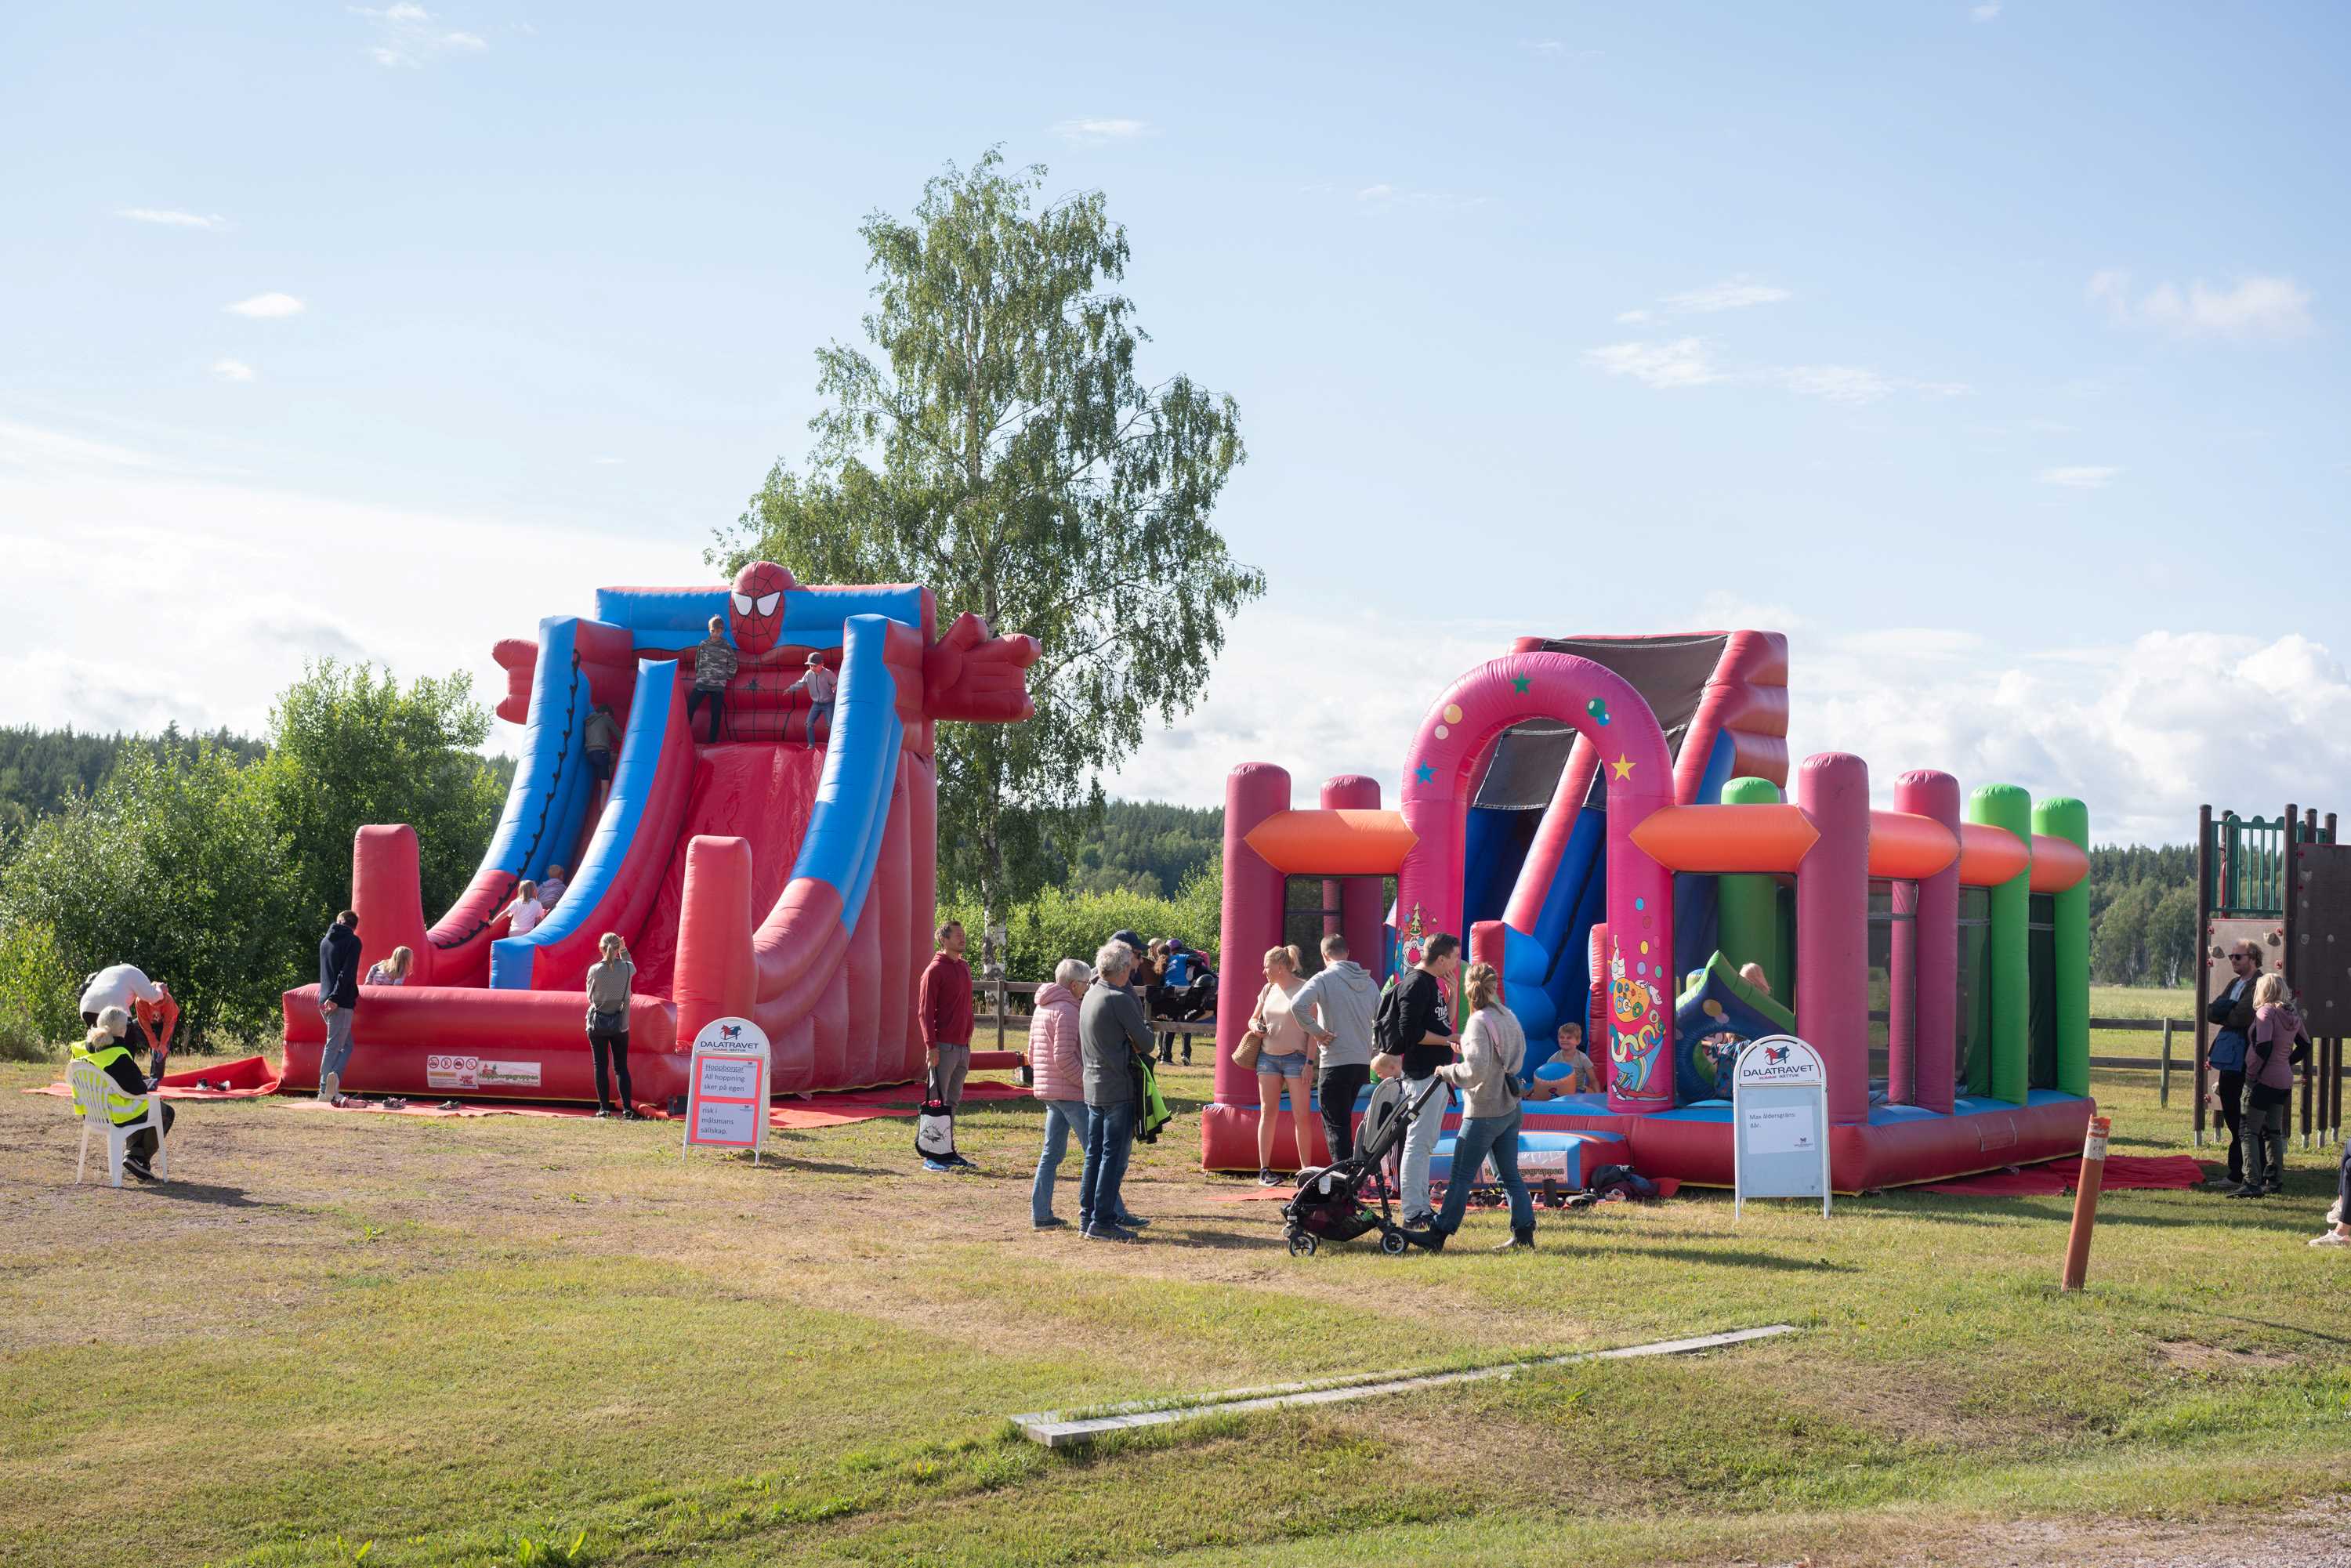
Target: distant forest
2142,900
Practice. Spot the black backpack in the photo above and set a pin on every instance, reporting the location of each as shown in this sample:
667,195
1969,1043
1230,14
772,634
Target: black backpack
1387,1021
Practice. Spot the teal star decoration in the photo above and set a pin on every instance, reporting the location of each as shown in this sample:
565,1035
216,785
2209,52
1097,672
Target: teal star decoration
1519,684
1424,773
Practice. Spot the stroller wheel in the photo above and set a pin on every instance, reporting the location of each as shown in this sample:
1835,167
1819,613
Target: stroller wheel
1301,1245
1394,1243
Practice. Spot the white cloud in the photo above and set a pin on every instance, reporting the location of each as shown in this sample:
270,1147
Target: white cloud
1557,49
409,35
266,306
1098,131
2082,476
2141,731
1690,363
1987,11
2255,309
1632,317
233,369
1731,294
1684,362
171,218
235,639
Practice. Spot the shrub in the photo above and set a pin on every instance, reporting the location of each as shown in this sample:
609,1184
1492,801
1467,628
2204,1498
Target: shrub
1057,924
37,992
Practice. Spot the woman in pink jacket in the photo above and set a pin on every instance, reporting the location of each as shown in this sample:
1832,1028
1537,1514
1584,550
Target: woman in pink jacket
1059,1074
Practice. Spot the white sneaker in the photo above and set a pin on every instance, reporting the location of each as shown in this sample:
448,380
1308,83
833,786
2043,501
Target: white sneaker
330,1086
2330,1239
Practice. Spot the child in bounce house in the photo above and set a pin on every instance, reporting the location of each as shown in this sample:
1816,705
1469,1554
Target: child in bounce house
1570,1071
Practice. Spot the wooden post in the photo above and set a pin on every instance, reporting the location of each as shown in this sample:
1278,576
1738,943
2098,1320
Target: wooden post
2163,1083
2085,1204
2203,951
999,1012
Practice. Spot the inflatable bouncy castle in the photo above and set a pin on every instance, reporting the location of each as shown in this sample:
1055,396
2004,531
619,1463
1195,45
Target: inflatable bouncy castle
1603,820
782,869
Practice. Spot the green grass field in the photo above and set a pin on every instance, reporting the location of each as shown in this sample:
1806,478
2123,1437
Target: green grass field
529,1341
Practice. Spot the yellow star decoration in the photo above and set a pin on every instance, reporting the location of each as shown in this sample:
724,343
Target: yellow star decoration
1623,768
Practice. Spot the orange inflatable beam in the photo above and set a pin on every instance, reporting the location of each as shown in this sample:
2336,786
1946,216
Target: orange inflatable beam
1989,856
1904,844
1343,842
1727,838
2057,864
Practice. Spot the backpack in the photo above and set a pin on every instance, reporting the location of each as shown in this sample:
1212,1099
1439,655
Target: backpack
934,1125
1388,1020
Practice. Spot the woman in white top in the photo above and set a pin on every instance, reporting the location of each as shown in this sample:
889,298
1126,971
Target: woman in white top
1493,1049
525,909
1287,1058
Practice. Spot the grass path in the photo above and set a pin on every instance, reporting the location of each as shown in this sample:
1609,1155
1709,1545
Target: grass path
480,1341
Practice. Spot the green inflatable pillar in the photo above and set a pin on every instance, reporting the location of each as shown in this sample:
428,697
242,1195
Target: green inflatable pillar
2011,977
1748,905
2067,819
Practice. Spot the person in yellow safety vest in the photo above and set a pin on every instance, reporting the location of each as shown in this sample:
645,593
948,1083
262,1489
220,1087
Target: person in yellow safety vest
105,1049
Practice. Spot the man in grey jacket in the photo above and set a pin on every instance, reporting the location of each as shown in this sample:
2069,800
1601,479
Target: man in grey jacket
1343,998
1113,1033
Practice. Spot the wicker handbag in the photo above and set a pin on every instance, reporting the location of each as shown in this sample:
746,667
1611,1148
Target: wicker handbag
1245,1054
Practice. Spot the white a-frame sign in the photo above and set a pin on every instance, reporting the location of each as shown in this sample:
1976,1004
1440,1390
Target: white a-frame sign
1779,1122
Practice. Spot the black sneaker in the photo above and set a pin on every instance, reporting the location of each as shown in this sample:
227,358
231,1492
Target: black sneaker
1420,1222
449,1105
1267,1178
2248,1191
601,1113
137,1168
631,1113
1110,1233
1050,1222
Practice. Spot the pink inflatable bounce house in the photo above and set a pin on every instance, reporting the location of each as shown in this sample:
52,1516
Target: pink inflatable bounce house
1603,820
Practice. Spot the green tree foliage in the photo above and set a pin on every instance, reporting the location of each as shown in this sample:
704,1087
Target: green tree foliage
1000,444
2143,914
1143,846
41,770
1059,923
350,746
172,864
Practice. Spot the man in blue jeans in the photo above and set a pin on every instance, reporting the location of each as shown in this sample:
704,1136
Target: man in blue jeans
339,995
1113,1035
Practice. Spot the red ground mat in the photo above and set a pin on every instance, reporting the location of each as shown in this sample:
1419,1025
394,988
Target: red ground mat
248,1079
2167,1172
1666,1188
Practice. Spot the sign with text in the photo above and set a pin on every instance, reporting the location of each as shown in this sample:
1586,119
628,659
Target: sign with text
726,1087
1779,1122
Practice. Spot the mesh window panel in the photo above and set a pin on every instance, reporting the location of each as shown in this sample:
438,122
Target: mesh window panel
1972,1048
2041,962
1301,926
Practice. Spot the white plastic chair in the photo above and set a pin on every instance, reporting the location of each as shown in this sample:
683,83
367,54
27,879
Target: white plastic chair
90,1088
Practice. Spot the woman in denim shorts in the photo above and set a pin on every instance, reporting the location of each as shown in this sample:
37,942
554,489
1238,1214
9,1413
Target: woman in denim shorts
1287,1060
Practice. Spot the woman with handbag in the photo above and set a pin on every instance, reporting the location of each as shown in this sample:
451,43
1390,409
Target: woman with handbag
1285,1058
608,1022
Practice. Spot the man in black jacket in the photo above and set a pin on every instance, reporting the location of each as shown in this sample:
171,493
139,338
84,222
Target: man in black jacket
339,997
1423,1033
2232,1009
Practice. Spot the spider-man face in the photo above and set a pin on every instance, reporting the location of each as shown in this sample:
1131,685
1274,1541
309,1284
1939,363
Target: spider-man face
754,611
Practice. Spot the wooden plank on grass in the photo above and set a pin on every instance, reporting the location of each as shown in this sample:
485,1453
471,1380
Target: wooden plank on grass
1055,1430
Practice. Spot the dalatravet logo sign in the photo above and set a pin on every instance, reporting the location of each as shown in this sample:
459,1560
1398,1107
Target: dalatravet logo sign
1779,1060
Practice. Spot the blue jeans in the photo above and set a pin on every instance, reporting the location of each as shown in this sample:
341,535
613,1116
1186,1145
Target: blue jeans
337,1056
1062,1117
1110,1133
819,711
1479,1137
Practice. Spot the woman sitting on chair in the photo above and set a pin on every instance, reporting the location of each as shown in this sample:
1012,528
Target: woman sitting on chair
104,1048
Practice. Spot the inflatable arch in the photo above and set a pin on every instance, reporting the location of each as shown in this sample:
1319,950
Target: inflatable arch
1458,732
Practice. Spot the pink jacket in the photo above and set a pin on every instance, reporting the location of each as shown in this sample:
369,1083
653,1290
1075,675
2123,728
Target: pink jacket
2275,1029
1053,1055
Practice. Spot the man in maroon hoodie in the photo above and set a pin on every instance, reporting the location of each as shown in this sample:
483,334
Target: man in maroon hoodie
947,1021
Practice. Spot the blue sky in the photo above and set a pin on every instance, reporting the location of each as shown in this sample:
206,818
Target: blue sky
1985,349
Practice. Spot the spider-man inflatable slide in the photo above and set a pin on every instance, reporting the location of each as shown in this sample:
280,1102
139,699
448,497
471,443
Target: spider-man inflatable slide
779,874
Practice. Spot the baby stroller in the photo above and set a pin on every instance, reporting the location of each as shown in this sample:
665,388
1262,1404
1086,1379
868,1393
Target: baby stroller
1329,1204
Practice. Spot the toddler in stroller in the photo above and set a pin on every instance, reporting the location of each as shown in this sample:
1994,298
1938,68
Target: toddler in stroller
1329,1203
